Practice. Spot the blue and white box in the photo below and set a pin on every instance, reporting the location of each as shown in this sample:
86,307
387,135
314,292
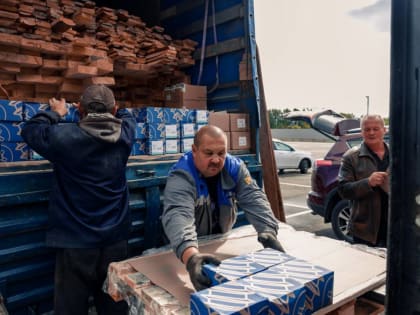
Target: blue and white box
152,115
231,269
285,294
268,257
10,131
139,147
155,131
228,298
187,130
32,108
155,147
140,132
172,131
11,110
14,151
171,146
318,282
175,115
186,144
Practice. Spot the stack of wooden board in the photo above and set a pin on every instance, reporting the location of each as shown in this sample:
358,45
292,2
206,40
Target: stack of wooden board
55,48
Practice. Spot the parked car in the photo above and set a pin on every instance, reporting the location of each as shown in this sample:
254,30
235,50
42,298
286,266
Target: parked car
323,198
287,157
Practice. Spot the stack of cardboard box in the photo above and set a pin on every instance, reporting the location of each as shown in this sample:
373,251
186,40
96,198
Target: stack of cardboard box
236,127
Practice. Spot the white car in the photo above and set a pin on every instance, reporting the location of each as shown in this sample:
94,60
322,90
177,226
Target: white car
288,157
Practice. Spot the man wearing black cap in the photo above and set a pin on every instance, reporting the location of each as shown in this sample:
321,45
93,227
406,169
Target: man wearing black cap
88,209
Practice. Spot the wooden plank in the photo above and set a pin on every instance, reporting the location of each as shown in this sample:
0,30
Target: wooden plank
81,72
109,81
23,60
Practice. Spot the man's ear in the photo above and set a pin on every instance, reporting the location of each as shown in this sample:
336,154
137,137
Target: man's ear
194,148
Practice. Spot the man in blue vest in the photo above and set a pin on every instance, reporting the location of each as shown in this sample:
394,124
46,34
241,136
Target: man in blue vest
200,198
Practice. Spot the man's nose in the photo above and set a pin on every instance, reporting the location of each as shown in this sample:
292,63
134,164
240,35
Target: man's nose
215,158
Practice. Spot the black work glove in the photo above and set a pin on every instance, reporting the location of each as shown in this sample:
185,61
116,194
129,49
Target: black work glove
269,240
194,267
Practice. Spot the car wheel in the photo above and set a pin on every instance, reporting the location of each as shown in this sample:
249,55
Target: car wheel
304,166
340,220
281,171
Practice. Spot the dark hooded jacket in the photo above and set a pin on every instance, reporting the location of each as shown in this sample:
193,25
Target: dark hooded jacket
88,204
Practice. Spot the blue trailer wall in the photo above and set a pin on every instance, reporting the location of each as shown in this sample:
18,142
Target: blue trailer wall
26,265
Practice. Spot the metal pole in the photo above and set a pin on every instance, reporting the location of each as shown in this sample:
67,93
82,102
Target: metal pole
367,105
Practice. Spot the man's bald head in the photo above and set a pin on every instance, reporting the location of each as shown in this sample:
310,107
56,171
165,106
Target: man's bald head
209,130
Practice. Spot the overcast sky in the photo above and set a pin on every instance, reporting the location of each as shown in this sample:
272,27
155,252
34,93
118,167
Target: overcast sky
325,54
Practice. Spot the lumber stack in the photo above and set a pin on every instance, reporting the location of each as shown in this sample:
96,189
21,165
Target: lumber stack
55,48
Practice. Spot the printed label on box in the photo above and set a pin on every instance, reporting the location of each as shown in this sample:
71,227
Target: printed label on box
156,147
171,146
171,131
188,130
242,141
241,123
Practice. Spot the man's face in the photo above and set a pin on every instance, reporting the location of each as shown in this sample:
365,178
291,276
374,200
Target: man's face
209,156
373,132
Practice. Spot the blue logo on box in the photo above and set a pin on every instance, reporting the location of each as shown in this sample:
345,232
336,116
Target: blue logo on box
14,151
11,110
10,131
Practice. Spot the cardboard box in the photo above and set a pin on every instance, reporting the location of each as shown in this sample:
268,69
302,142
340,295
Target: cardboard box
14,151
11,110
140,132
10,131
220,120
239,122
318,281
175,115
155,131
228,298
240,140
231,269
32,108
148,114
186,96
285,294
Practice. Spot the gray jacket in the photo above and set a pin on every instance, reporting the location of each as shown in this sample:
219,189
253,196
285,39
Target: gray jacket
185,216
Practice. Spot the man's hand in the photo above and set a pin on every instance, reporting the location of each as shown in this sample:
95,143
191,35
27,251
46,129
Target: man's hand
269,240
194,267
377,179
58,106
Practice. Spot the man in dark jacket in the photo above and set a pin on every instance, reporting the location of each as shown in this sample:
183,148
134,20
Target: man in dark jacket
89,218
201,197
363,179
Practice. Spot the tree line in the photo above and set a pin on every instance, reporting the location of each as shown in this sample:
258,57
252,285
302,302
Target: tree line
278,120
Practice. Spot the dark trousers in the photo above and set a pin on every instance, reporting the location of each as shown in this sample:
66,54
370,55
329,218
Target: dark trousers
80,274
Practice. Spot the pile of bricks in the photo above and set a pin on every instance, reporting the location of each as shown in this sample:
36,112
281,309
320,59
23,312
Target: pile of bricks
55,48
